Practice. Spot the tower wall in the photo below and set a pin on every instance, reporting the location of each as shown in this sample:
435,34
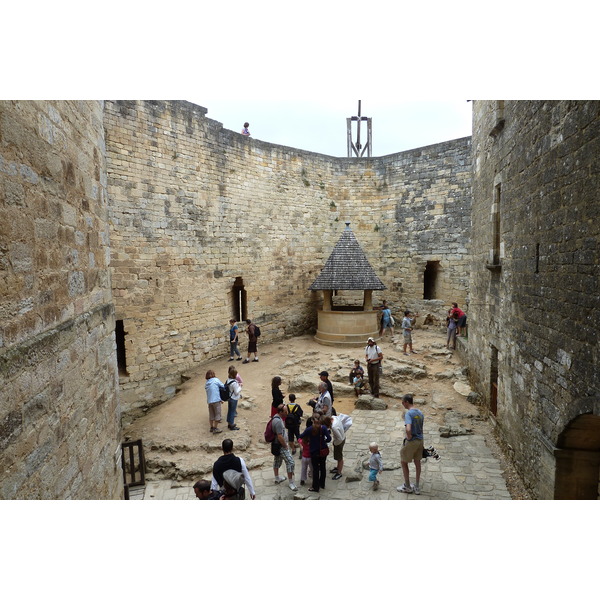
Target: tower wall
59,411
535,170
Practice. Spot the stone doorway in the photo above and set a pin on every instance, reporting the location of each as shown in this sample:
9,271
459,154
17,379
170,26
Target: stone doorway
578,460
431,280
239,300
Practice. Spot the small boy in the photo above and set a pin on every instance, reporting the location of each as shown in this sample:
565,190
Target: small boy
358,383
375,464
355,370
292,422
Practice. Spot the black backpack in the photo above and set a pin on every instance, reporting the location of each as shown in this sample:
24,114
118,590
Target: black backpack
225,393
256,331
294,416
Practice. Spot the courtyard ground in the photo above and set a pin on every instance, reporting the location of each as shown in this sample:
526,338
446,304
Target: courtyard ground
180,449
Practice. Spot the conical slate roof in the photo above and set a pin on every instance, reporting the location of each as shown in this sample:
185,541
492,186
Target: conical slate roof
347,268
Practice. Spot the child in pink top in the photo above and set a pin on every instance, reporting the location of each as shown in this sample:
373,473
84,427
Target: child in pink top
306,462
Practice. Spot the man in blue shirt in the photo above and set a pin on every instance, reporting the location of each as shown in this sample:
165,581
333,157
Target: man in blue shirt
413,445
233,340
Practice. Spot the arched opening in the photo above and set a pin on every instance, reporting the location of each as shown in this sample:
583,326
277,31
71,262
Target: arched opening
578,460
239,309
430,280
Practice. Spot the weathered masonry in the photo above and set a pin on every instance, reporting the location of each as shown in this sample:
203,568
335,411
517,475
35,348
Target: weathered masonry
535,297
193,224
130,232
60,429
206,224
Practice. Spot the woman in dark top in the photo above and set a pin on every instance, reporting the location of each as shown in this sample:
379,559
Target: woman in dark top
318,437
277,395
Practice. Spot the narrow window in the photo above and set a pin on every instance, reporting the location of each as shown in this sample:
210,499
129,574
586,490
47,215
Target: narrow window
430,280
120,334
496,225
494,381
537,258
240,311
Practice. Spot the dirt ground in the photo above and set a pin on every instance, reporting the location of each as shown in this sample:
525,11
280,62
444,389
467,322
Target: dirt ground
176,434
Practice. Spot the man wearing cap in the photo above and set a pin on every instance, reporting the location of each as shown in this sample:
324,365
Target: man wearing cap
373,356
230,461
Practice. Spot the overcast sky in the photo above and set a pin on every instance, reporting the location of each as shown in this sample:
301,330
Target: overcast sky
296,71
320,125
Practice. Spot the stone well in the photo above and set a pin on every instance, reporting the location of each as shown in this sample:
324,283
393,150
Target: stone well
347,269
348,327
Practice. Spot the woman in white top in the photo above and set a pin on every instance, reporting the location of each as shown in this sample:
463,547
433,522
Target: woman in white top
235,393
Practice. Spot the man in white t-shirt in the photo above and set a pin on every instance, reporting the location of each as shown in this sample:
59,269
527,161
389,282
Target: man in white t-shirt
373,356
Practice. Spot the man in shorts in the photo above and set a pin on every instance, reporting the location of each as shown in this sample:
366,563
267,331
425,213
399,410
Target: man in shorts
281,444
412,450
407,327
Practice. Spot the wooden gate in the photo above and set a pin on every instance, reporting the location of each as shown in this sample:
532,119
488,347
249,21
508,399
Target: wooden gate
133,464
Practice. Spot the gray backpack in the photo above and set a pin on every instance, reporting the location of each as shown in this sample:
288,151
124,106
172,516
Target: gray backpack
233,482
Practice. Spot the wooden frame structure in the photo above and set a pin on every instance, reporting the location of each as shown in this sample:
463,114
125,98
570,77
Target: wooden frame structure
355,148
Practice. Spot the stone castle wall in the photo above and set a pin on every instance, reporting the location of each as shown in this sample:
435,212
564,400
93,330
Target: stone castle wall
195,207
174,210
59,412
539,307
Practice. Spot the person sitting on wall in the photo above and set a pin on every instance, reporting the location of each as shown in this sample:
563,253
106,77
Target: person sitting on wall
461,319
359,384
356,370
451,331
